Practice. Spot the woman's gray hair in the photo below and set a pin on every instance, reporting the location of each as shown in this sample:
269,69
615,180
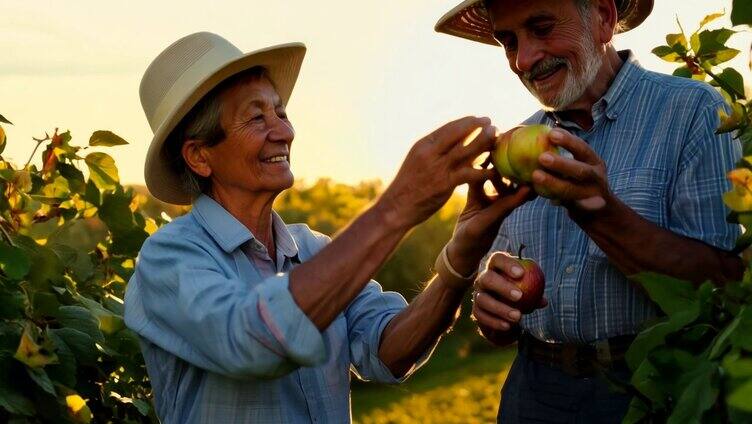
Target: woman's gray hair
202,123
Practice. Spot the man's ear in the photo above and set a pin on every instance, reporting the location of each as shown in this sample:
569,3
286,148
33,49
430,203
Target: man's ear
606,17
196,157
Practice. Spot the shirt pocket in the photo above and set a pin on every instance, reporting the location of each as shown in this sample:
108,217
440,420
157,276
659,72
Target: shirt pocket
644,190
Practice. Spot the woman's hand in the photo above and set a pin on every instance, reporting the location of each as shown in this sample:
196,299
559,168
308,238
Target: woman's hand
433,168
479,222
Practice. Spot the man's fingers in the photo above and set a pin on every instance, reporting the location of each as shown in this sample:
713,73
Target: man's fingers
496,308
580,150
457,131
560,188
496,284
568,168
506,265
485,319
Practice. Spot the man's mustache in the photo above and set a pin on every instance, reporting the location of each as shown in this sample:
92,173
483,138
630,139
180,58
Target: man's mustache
543,67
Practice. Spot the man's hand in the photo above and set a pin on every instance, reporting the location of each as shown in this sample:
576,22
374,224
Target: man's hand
579,183
495,294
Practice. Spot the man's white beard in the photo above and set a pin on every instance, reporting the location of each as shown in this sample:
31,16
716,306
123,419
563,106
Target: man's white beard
576,81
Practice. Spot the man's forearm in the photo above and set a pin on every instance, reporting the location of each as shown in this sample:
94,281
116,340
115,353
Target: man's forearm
634,244
326,284
414,330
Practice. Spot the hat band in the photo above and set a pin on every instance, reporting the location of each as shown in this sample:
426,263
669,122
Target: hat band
188,81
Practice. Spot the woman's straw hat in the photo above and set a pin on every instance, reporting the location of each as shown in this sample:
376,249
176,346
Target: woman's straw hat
184,73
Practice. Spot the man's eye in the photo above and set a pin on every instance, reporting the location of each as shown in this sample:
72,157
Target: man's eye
543,30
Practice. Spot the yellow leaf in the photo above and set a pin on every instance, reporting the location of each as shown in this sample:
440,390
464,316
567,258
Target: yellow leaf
674,39
730,122
694,41
78,409
710,18
31,353
741,177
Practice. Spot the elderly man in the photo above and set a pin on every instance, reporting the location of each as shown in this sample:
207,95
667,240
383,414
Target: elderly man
638,188
245,319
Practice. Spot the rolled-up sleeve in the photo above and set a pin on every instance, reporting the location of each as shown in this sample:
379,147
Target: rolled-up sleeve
367,317
180,299
697,210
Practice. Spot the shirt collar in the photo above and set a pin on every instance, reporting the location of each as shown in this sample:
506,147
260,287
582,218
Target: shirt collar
230,233
617,95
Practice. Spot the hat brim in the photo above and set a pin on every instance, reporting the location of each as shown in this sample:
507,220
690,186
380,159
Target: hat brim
282,64
470,20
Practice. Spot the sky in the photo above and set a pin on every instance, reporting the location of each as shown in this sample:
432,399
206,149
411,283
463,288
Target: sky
376,77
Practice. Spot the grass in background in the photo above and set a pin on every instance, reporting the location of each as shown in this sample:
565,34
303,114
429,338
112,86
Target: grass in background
455,386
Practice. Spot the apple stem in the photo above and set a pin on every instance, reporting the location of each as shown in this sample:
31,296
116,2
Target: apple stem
519,253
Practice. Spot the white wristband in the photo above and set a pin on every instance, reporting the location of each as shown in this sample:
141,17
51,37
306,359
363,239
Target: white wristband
442,264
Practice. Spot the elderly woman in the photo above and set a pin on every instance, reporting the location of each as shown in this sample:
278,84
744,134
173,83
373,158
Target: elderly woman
244,318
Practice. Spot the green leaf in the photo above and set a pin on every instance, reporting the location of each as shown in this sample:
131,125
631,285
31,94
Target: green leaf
109,322
722,341
14,402
713,41
672,295
742,336
14,262
741,13
655,336
5,121
116,212
142,406
698,396
128,242
102,170
637,412
667,53
644,380
77,260
738,368
74,177
79,318
718,57
740,398
683,72
80,344
12,305
42,379
732,79
106,138
65,370
92,193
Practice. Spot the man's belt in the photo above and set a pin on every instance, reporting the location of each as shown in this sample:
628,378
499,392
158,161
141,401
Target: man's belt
577,360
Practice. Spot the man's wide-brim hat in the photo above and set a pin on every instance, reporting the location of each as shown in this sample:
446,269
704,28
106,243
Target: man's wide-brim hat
185,72
470,19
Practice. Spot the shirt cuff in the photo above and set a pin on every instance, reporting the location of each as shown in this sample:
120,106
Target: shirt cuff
381,372
301,340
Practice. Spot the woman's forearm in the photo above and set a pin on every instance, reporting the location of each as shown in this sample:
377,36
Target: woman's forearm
328,282
414,330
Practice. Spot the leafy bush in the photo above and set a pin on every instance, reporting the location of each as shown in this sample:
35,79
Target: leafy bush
695,363
67,247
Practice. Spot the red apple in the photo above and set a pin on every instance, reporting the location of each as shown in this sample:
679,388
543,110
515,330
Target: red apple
532,284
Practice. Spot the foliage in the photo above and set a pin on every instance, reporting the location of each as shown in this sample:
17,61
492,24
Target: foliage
67,247
695,363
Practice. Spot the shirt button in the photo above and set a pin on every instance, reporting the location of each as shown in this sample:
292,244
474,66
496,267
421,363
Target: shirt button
569,269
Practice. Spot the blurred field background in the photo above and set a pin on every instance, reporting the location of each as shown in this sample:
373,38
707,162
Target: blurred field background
461,382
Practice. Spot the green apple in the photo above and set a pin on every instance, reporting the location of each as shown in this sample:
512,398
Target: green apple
517,151
525,145
500,157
